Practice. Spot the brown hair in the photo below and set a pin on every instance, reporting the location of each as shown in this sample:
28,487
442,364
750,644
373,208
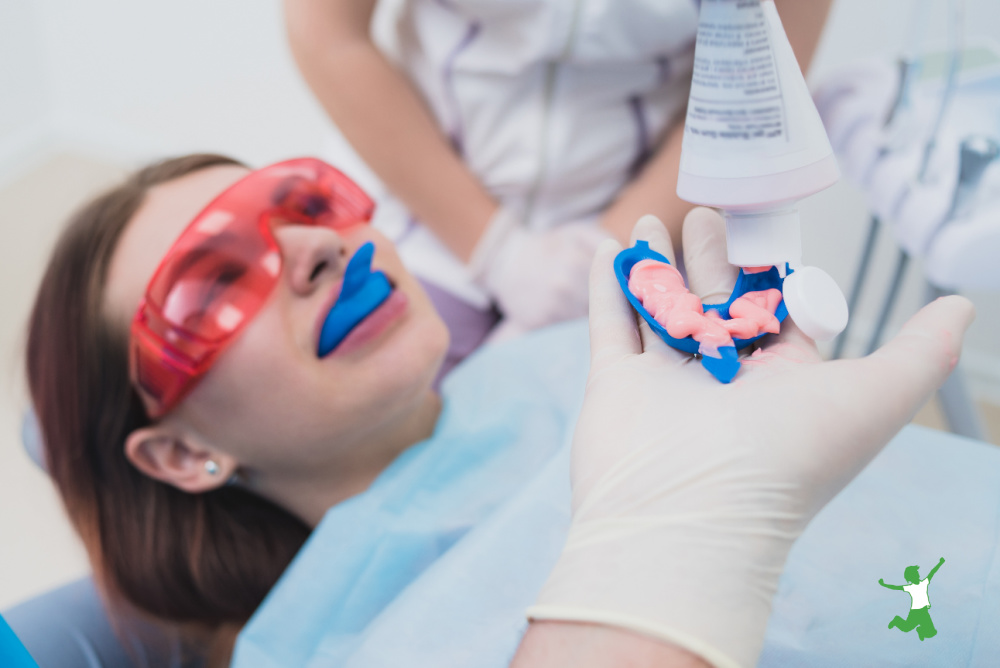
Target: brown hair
203,559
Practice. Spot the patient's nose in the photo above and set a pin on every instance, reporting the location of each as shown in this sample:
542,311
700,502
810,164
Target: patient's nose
311,256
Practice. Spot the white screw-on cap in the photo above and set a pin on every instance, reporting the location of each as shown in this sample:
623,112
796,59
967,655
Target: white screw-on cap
815,303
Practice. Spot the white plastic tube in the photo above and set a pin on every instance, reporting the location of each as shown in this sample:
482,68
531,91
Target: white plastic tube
754,145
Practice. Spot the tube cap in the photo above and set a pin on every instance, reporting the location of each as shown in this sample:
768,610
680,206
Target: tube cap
815,303
763,238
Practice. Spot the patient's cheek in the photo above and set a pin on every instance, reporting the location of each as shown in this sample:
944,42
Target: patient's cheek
661,290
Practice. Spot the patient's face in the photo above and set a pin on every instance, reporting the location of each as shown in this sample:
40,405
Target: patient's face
269,400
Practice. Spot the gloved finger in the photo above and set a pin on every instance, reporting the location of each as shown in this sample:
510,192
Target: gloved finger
613,331
927,348
651,229
864,402
710,276
870,399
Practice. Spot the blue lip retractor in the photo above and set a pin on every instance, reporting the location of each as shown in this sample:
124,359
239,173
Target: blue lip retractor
361,292
726,367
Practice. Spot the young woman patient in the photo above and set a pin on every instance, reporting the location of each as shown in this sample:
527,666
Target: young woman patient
222,360
193,516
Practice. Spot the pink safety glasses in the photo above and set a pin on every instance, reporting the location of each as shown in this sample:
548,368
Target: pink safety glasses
222,268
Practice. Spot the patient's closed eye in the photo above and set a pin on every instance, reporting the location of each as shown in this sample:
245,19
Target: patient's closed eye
214,285
225,276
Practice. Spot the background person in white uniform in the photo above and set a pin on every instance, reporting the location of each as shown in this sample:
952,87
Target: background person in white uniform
503,124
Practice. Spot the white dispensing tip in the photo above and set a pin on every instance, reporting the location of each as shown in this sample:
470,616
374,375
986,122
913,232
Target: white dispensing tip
763,238
815,302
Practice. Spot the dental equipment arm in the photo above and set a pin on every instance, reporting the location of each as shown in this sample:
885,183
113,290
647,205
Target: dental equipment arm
688,494
900,148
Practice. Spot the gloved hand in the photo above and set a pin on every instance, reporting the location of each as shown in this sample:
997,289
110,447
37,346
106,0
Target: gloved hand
688,493
537,278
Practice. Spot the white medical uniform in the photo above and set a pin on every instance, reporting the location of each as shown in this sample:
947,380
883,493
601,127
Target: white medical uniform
551,103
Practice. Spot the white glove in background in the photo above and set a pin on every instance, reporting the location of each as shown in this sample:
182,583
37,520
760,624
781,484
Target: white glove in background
537,278
687,493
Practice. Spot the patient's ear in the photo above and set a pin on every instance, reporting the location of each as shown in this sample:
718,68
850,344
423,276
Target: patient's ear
163,454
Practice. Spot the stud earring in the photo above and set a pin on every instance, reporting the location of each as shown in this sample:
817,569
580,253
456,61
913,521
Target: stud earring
211,467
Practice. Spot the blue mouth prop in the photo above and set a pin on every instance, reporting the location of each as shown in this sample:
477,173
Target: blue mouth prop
362,291
725,367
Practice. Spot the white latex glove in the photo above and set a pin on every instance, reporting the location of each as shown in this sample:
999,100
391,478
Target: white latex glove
687,493
537,278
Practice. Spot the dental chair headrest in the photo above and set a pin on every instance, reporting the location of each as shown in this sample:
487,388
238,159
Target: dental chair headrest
31,437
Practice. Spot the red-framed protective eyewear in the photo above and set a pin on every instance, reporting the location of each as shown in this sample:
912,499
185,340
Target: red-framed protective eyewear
222,269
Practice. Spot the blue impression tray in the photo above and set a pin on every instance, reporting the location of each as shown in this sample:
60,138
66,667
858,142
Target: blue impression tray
361,292
725,367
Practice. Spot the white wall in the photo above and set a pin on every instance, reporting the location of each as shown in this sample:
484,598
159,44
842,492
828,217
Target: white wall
134,79
24,85
24,90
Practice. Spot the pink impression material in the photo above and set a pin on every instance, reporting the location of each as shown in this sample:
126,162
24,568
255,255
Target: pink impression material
660,288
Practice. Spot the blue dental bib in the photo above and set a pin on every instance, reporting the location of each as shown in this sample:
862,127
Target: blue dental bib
724,368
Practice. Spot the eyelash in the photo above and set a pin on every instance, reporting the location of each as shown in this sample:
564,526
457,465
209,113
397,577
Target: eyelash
226,276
